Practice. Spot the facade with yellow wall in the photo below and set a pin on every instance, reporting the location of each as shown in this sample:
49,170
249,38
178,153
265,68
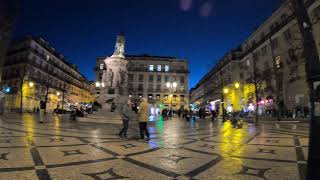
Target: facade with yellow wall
270,54
33,62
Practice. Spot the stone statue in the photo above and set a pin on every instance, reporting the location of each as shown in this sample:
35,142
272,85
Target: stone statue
119,47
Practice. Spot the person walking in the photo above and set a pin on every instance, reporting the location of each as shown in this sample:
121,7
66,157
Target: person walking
42,111
179,113
113,107
126,117
143,117
213,113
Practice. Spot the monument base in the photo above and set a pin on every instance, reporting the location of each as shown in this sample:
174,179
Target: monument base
104,115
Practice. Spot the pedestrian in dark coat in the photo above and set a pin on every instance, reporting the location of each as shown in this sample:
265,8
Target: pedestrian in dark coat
127,115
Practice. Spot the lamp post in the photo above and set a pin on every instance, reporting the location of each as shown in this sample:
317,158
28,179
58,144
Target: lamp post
312,67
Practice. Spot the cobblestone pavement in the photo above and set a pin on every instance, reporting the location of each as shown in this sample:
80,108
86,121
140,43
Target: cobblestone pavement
59,149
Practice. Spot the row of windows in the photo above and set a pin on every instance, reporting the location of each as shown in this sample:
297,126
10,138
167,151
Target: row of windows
159,68
158,87
54,60
272,27
158,78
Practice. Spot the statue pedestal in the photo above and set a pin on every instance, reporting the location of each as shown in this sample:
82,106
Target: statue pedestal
104,115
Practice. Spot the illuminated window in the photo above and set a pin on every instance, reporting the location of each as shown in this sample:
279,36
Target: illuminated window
278,62
150,96
166,68
166,97
101,66
174,97
151,68
48,58
248,62
159,68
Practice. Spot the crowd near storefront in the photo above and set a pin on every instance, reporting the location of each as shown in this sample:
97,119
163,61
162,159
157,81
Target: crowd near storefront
265,74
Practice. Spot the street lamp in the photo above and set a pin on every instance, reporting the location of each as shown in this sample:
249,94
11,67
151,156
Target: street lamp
98,84
225,90
31,84
236,85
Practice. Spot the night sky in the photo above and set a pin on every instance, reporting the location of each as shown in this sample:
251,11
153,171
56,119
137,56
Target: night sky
198,30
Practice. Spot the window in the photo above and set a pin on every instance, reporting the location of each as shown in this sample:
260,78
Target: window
141,66
316,13
159,68
47,57
100,76
150,78
150,87
266,65
166,78
182,98
158,78
241,75
264,51
272,27
158,96
174,97
151,67
166,68
278,62
130,77
140,87
158,87
140,77
182,80
275,43
150,96
283,17
166,97
101,66
248,62
262,35
287,34
240,65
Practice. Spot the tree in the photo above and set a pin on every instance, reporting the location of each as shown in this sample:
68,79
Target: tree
258,78
312,67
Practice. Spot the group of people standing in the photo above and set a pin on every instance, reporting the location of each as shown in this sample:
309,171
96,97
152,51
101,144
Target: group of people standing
142,115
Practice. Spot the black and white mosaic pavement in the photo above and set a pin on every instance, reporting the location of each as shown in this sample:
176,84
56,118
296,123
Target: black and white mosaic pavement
59,149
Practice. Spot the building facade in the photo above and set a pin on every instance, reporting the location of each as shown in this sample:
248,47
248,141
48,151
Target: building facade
34,70
162,80
269,63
